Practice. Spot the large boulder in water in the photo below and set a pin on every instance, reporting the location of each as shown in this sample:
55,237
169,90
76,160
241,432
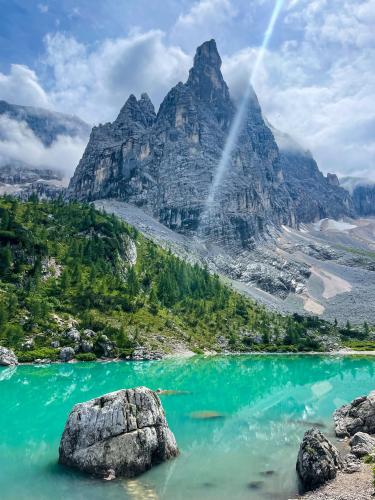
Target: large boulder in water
318,460
122,433
7,357
357,416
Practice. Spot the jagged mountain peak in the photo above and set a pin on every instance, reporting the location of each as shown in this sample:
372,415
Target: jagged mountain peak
205,77
166,164
135,111
207,55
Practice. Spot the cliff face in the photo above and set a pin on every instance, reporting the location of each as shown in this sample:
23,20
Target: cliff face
165,163
314,196
46,125
362,192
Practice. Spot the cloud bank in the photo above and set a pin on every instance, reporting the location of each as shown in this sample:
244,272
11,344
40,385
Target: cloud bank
19,143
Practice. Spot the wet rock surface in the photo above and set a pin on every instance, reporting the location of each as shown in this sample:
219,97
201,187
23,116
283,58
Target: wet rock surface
318,460
122,433
7,357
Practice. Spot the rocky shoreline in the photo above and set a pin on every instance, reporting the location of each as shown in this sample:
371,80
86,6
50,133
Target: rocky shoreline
158,356
324,471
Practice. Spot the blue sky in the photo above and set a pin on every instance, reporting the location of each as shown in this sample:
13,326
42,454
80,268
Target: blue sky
317,81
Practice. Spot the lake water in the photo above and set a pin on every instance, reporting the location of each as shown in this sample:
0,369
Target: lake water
265,402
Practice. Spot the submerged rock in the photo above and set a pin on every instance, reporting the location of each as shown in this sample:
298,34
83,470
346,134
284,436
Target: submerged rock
318,460
171,392
206,415
357,416
362,444
7,357
123,433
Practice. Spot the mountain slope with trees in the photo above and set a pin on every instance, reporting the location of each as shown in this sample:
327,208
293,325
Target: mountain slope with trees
67,264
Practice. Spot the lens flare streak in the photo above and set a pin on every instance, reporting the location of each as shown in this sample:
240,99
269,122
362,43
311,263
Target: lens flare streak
240,115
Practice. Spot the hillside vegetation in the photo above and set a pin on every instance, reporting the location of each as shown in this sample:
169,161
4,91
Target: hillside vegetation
67,264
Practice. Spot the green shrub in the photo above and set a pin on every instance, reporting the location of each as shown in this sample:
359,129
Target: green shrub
86,356
42,353
124,353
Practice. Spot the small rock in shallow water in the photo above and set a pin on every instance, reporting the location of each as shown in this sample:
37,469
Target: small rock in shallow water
255,485
111,475
268,473
124,432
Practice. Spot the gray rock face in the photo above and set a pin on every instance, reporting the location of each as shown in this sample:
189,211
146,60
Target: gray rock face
318,460
141,353
106,347
314,196
122,433
351,464
22,179
28,344
362,444
87,346
46,125
73,335
166,163
363,194
67,354
364,199
7,357
357,416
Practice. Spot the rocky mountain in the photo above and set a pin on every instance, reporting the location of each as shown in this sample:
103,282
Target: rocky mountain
19,177
362,192
314,196
46,125
165,164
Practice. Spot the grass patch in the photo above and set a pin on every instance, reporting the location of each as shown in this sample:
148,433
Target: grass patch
360,345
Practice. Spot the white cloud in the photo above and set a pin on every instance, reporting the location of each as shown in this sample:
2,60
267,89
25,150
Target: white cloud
320,87
43,8
202,21
206,11
18,142
95,82
21,86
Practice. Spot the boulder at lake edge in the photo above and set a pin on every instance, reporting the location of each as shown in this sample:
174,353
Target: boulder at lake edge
362,444
123,433
318,460
357,416
7,357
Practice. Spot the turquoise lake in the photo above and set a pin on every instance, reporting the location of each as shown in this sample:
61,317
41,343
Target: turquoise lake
265,402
